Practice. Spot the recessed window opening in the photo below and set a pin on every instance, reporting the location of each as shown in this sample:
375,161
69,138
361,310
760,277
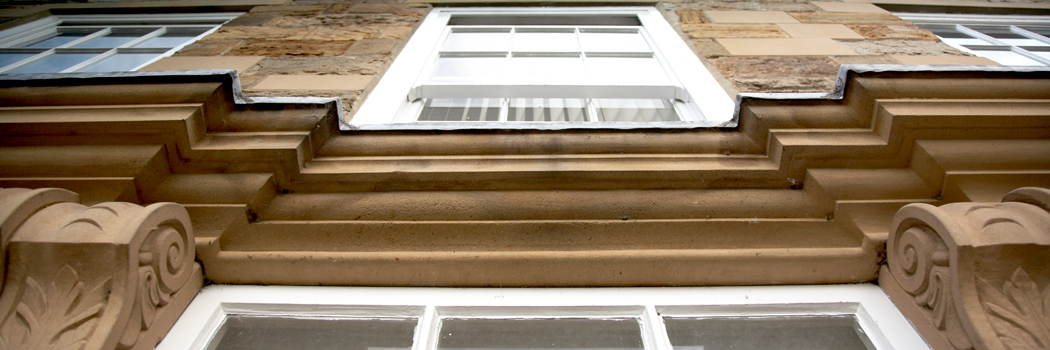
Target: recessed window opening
1008,40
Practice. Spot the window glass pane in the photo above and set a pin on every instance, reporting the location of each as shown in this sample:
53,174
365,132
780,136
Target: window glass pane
264,333
54,63
613,42
635,110
966,41
108,41
526,40
540,334
837,332
468,69
57,40
9,58
1008,58
120,62
547,110
548,70
461,109
625,70
477,41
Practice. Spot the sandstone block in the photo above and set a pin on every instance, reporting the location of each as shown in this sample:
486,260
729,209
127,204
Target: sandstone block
710,48
749,17
847,18
252,20
880,59
848,7
809,30
357,19
945,60
774,66
314,82
289,9
241,64
784,47
372,47
360,32
291,48
367,65
691,16
722,5
733,30
271,33
902,47
208,48
785,84
789,6
896,31
410,9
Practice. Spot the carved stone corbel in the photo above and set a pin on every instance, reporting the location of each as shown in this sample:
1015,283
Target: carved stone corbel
974,275
109,276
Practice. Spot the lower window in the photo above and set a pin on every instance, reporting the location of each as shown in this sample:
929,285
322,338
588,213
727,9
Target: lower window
782,317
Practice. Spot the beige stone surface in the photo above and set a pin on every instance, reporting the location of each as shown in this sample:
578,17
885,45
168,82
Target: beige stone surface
208,47
258,33
372,47
314,82
290,48
359,32
784,47
289,9
903,47
848,7
875,31
113,275
710,48
241,63
945,60
974,275
848,18
734,30
807,30
866,59
691,17
716,16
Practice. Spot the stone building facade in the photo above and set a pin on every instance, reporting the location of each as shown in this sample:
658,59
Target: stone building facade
921,178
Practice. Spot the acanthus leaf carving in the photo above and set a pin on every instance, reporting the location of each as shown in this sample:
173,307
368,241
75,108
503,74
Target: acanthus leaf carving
1019,313
60,316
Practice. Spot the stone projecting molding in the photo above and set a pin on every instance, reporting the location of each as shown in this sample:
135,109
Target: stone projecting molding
974,275
108,276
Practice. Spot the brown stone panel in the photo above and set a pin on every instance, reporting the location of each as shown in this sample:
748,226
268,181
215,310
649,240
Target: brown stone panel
290,48
403,9
717,30
360,32
365,47
848,18
289,9
253,20
875,31
789,6
778,73
323,65
902,47
720,5
258,33
867,59
208,47
343,20
691,16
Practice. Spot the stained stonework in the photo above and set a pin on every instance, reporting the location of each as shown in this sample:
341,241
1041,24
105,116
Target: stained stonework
974,275
109,276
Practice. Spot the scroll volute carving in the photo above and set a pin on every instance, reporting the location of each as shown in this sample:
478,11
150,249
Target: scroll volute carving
975,275
108,276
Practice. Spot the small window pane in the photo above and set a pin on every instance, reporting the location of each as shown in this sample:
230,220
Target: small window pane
546,42
620,334
772,332
265,333
635,110
625,70
613,42
547,110
548,70
966,41
1008,58
461,110
120,62
477,42
108,41
57,40
10,58
54,63
468,69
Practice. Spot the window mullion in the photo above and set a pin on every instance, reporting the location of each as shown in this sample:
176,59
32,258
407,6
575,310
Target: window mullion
26,61
654,331
966,30
141,39
1030,55
86,38
427,334
1029,34
90,61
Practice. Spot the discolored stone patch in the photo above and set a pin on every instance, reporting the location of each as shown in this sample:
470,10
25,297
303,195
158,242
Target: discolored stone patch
875,59
372,47
344,20
289,48
848,18
289,9
691,16
710,48
404,9
874,31
902,47
718,30
367,65
208,48
271,33
779,74
252,19
360,32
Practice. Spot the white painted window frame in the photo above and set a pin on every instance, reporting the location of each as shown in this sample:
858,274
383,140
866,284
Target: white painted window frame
878,317
960,23
48,27
383,106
